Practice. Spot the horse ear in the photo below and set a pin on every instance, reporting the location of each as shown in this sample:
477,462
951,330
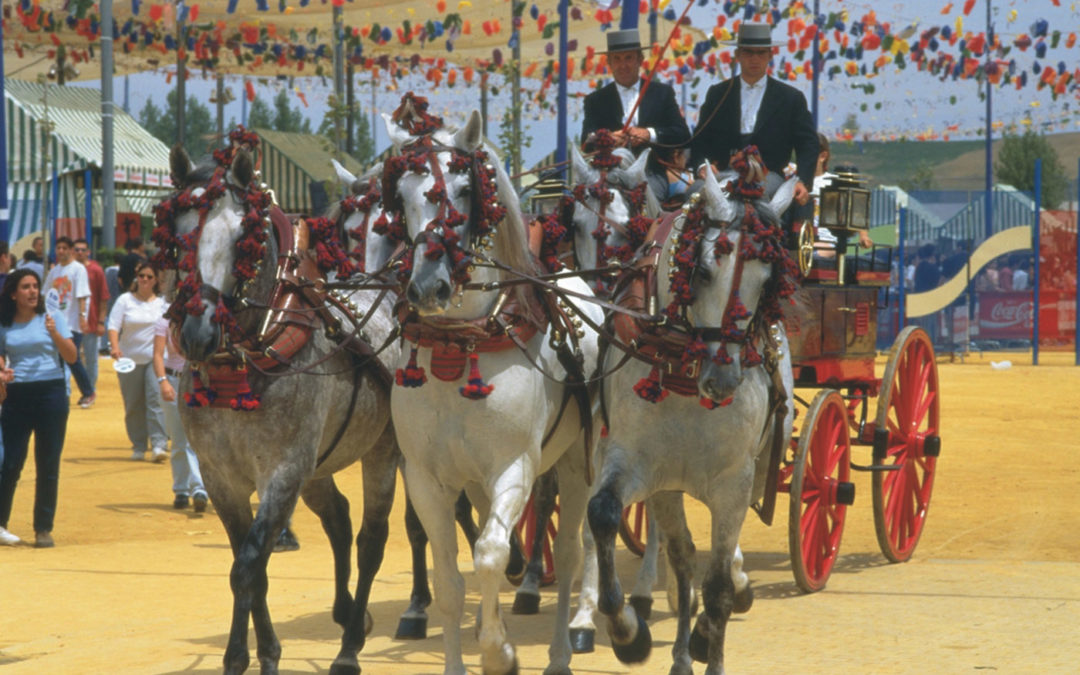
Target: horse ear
345,177
243,168
781,199
179,164
398,135
582,170
469,137
722,208
636,171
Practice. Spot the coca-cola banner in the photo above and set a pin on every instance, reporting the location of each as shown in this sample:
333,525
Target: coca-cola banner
1005,315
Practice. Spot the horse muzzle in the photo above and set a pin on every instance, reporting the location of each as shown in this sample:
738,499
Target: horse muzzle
719,383
429,291
200,337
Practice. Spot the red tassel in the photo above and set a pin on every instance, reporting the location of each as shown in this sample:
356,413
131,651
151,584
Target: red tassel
411,375
710,404
476,389
200,396
245,399
650,388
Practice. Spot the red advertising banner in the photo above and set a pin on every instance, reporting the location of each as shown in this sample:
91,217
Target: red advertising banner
1005,315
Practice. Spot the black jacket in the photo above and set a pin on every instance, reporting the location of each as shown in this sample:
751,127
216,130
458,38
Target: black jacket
658,109
784,126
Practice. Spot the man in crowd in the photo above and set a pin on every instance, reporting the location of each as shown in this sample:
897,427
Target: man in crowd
755,109
136,253
99,294
641,113
68,277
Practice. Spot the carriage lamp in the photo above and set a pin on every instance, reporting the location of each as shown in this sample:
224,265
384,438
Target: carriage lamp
845,203
545,196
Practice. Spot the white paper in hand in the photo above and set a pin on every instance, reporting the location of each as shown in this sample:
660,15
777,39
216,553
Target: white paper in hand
52,302
123,365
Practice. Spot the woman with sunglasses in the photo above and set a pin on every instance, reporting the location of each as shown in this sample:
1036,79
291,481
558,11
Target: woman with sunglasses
34,346
131,336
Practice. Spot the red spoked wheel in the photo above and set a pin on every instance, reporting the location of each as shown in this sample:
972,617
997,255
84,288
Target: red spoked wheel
525,536
634,528
820,491
907,436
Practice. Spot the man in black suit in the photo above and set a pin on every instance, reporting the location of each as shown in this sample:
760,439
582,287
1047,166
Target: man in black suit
754,109
656,120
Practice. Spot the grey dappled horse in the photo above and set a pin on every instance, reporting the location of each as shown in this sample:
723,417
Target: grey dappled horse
307,426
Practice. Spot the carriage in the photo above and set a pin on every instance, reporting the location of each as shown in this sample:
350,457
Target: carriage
833,333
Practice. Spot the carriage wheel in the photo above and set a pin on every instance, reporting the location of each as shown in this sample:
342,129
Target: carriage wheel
634,528
524,536
820,491
907,436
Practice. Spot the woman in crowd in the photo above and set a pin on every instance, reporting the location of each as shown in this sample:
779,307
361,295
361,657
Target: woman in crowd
131,335
33,388
187,479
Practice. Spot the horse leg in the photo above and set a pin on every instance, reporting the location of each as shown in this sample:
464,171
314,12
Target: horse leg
509,492
413,623
463,516
582,628
233,507
380,472
567,557
326,501
718,588
744,594
668,509
527,598
641,594
630,637
434,506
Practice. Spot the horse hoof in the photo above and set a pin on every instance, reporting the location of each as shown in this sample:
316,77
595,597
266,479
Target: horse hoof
699,644
744,600
638,649
286,541
411,628
642,605
514,670
345,666
583,640
526,603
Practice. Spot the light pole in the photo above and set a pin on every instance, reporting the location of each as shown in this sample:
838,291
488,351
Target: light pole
46,141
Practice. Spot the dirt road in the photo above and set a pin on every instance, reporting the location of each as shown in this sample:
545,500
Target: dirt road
136,587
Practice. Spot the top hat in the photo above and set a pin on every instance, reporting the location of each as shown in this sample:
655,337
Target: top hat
754,35
623,41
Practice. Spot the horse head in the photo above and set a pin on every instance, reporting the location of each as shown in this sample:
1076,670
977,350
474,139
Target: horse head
357,213
728,269
613,206
450,202
214,231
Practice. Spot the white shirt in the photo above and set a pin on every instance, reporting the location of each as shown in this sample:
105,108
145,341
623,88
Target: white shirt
629,96
134,320
1020,279
750,102
72,283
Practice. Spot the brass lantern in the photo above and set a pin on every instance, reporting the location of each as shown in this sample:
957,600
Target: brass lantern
845,203
545,196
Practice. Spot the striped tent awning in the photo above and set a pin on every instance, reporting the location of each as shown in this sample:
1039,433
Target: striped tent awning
1012,208
297,167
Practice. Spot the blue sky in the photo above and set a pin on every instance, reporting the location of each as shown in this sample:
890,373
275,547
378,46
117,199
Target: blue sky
904,103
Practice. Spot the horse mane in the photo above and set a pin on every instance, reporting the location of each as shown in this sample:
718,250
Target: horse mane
512,240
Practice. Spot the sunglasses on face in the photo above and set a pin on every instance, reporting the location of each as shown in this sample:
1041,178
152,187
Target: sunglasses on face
146,276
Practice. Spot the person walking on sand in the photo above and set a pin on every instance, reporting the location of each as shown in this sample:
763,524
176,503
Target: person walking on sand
187,479
131,335
33,390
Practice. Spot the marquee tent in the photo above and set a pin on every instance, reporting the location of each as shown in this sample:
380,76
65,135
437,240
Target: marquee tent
297,166
141,161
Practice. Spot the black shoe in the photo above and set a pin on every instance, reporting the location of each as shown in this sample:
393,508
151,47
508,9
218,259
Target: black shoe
181,502
43,540
200,500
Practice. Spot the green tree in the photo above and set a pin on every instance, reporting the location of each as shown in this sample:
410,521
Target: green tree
199,125
920,179
851,124
363,149
261,116
287,118
1015,165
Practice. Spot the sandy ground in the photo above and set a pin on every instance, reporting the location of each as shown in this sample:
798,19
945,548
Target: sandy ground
136,587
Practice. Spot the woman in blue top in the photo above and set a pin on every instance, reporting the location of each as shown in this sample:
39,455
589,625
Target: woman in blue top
34,394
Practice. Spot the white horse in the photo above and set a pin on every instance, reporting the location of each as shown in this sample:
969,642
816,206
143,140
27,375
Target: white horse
331,409
710,443
455,206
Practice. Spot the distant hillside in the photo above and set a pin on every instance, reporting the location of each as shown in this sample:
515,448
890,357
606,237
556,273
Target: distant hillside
957,165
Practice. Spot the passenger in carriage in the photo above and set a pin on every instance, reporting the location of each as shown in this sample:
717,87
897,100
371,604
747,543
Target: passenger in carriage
655,121
755,109
672,164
